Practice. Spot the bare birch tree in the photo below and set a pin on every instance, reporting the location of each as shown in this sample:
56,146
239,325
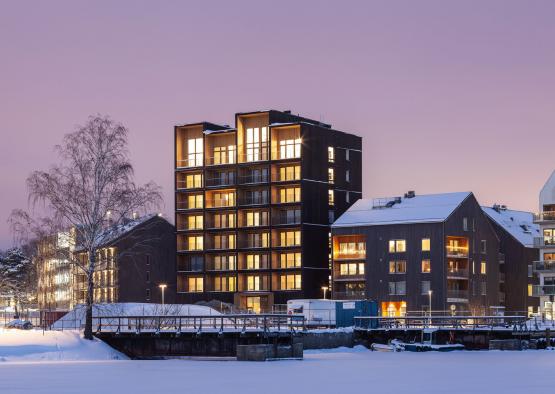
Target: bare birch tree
91,184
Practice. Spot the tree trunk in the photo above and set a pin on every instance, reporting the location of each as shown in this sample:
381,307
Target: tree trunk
88,334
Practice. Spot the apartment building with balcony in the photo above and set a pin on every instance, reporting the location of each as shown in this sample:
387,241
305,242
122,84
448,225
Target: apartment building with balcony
252,202
516,231
406,251
544,268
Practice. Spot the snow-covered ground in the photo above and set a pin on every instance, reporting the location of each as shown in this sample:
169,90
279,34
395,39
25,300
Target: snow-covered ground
36,345
333,371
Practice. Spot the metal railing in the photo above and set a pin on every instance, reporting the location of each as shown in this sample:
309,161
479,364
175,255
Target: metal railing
221,159
457,251
419,322
544,216
198,324
544,241
457,272
349,295
457,294
255,178
544,265
543,290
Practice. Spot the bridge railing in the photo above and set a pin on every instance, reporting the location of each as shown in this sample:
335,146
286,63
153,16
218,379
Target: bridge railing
219,323
419,322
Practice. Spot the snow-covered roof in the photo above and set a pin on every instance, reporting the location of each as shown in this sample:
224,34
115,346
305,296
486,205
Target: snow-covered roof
519,224
114,232
208,132
428,208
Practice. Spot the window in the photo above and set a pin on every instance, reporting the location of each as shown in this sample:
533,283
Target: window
148,276
224,262
331,216
258,240
549,236
530,291
397,267
225,241
465,224
195,152
290,194
290,173
196,284
195,242
290,260
483,288
290,238
224,220
347,176
193,180
148,294
224,154
195,201
426,266
347,155
289,149
425,287
290,282
350,269
331,197
331,154
253,262
253,197
425,244
195,222
147,259
224,199
397,246
257,143
347,197
483,267
253,283
257,218
397,288
331,176
224,283
483,246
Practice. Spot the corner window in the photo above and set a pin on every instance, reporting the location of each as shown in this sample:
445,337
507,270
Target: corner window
331,197
425,244
397,246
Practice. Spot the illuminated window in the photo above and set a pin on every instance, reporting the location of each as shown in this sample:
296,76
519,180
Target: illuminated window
224,199
530,291
195,152
193,180
195,222
289,149
257,143
253,283
426,266
290,260
290,173
224,262
290,282
397,246
258,240
397,267
290,238
224,283
331,176
257,218
350,269
224,220
352,249
483,267
195,201
195,242
331,197
253,261
224,154
425,244
290,194
331,154
225,241
196,284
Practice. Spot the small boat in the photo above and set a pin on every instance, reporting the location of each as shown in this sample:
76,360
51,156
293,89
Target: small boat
425,346
381,347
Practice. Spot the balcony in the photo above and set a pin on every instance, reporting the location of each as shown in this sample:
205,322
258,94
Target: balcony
254,155
254,200
457,251
544,242
544,266
189,265
249,179
349,295
543,290
455,272
545,216
225,263
289,217
223,159
220,202
457,294
184,203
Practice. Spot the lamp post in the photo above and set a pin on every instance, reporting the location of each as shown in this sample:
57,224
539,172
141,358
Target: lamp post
162,286
324,289
430,306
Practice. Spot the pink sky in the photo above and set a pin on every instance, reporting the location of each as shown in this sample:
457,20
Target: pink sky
449,96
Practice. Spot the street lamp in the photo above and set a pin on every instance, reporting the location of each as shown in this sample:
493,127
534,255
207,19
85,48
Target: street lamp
324,289
162,286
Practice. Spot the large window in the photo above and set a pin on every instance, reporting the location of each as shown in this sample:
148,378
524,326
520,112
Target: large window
195,201
195,242
224,199
196,284
225,241
351,248
195,152
224,262
253,283
397,246
195,222
398,288
351,269
224,154
290,260
425,244
290,173
398,267
193,181
257,143
290,238
224,283
224,220
290,194
257,218
290,282
289,149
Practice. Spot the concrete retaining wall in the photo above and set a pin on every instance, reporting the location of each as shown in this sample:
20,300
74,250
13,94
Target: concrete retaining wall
265,352
325,340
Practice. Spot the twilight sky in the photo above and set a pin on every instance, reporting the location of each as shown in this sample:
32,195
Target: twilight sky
448,96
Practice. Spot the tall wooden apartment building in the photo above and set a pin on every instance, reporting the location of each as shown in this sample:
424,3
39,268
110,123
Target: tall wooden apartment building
254,203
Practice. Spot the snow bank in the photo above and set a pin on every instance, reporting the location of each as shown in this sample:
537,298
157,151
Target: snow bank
36,345
76,317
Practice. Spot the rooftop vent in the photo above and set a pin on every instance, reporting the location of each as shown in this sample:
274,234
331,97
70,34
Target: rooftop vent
410,194
498,208
385,202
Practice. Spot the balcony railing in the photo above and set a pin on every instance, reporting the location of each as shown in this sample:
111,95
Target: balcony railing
221,160
546,241
190,162
228,180
544,216
349,295
544,266
457,272
220,202
188,185
457,251
184,205
283,218
221,266
245,201
543,290
253,178
254,156
294,152
360,255
461,294
190,266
